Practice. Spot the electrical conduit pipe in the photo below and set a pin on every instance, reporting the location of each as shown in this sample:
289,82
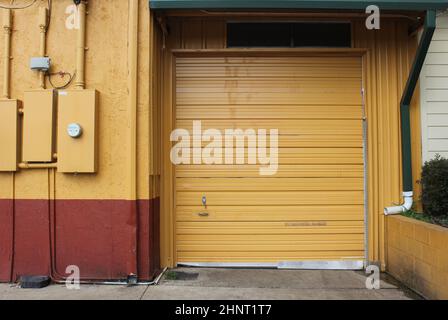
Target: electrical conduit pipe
43,24
425,42
81,46
7,27
133,25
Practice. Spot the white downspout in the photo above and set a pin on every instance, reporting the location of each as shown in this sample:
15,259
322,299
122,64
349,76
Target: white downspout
408,202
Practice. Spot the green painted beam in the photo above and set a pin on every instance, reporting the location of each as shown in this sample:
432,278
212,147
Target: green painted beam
413,5
406,143
425,42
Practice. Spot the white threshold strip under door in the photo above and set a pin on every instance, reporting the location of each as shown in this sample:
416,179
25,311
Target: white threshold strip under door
285,265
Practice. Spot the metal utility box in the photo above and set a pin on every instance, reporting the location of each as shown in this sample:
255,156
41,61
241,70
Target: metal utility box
40,64
39,126
9,135
78,131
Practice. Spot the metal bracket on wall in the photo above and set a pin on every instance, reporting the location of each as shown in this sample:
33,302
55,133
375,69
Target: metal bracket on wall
163,26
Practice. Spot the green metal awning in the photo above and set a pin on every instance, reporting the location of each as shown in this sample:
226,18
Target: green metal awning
414,5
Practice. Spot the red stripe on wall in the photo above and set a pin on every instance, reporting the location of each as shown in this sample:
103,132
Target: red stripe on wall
31,245
98,236
6,234
148,242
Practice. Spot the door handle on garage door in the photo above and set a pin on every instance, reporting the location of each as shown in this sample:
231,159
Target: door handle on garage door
203,214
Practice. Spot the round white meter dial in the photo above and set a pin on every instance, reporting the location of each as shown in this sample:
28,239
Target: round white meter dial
74,130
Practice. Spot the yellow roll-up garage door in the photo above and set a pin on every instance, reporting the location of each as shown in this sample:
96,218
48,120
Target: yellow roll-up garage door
312,210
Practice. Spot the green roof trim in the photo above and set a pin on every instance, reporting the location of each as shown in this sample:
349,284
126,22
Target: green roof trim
413,5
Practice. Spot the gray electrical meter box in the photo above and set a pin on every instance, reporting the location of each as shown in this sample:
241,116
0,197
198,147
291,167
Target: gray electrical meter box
40,64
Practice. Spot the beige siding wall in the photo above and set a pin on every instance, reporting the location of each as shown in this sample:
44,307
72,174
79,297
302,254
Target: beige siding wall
434,82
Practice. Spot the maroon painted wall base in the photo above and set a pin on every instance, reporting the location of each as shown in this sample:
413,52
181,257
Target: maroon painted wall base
6,223
98,236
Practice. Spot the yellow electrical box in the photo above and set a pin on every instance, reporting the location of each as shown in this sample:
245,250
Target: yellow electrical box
39,126
9,135
77,131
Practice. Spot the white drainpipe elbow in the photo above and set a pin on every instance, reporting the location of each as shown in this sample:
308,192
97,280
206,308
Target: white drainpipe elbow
408,202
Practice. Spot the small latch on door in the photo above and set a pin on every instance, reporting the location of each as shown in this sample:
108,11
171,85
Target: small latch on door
204,202
203,214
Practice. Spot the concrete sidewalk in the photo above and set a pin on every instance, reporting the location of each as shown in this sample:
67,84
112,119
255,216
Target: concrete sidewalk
229,284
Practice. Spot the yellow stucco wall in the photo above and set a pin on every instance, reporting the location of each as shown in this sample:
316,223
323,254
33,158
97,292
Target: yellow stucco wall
106,71
417,255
